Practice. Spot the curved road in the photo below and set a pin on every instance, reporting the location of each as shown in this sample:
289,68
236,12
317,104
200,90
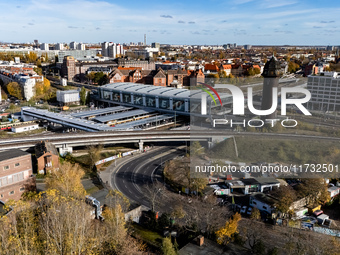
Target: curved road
132,177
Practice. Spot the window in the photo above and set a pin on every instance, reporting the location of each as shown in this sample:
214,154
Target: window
1,196
254,202
6,167
22,189
265,207
11,192
17,164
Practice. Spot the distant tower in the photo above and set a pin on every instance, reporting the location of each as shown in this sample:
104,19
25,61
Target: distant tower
144,39
271,74
337,56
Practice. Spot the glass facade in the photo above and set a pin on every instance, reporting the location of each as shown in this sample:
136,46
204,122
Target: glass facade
178,105
126,98
116,96
150,101
164,103
138,99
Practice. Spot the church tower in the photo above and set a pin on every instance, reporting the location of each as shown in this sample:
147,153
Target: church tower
271,74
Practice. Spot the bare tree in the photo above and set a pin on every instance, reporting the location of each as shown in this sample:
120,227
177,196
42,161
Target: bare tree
153,193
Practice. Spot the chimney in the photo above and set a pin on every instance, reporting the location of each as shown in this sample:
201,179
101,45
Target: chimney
200,240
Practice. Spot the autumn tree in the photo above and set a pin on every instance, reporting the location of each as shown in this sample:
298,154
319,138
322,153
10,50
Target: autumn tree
67,180
14,89
167,247
286,195
255,214
65,224
115,234
31,57
314,189
42,87
224,235
293,67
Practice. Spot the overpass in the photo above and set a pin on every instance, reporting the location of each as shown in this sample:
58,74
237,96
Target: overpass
65,142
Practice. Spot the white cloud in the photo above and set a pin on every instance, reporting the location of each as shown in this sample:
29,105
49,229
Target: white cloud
275,3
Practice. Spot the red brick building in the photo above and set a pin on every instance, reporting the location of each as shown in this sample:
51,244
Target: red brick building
47,157
15,174
157,77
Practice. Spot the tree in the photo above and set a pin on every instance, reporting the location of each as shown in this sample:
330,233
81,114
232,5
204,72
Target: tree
286,196
42,87
224,234
315,189
153,194
196,149
14,89
94,154
67,180
259,248
83,95
65,224
250,72
32,57
255,214
167,247
292,67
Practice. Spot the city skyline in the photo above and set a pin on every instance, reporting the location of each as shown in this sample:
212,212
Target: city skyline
263,22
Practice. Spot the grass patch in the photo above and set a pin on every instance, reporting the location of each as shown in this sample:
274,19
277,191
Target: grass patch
146,235
6,134
255,149
92,190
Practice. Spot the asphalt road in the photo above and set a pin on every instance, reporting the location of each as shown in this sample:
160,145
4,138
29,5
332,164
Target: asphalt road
132,177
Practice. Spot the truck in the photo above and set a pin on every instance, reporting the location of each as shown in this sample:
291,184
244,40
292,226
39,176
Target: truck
96,205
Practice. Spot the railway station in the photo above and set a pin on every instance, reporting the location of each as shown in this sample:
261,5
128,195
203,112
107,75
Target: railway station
162,99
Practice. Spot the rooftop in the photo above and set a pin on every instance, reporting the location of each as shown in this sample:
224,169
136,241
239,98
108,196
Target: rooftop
9,154
98,112
159,91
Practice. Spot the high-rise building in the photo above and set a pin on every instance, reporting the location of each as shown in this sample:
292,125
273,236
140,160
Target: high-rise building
73,45
156,45
44,46
247,47
59,46
81,46
69,68
330,48
271,74
112,50
105,49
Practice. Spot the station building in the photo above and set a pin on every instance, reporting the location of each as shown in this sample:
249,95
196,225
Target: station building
162,99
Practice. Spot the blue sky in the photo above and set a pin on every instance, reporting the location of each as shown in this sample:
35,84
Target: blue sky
266,22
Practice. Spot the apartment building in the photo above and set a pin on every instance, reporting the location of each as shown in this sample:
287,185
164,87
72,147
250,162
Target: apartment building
325,90
15,174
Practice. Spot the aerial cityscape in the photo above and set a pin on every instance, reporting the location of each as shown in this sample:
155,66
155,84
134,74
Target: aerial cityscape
204,127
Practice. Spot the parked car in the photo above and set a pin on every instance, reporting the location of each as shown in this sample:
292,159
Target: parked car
317,213
310,219
243,209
